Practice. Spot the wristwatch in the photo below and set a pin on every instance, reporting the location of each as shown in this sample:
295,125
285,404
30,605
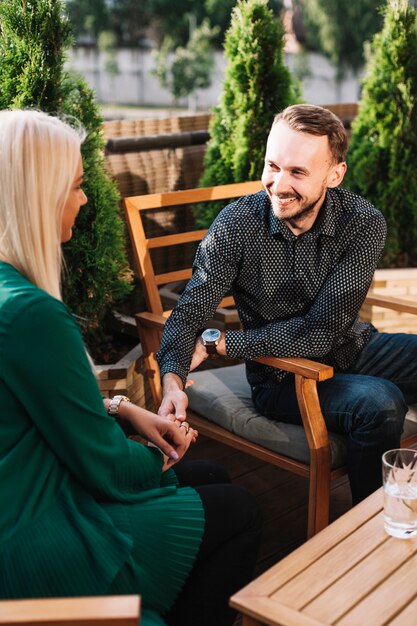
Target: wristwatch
210,338
115,402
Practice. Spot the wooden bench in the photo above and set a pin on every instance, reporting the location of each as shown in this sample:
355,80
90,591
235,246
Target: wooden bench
307,450
88,611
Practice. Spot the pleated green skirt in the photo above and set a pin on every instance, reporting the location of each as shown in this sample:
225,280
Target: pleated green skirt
166,535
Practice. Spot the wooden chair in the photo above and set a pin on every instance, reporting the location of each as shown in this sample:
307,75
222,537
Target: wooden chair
219,401
88,611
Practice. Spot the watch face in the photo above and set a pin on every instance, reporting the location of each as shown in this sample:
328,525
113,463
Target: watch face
211,335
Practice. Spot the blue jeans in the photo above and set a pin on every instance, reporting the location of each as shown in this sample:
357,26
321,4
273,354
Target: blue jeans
367,403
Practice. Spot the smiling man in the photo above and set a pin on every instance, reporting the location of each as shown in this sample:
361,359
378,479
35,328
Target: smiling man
299,168
299,258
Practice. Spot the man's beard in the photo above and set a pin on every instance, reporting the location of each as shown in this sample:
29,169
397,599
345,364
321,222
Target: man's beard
304,212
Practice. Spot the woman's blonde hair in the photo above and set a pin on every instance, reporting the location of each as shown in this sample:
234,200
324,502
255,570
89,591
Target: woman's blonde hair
39,156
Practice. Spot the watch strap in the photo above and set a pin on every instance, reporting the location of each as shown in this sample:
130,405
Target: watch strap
211,349
115,402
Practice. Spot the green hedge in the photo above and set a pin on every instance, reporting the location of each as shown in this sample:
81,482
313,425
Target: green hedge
257,85
383,148
33,39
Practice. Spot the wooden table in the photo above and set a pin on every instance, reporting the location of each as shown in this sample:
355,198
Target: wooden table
351,573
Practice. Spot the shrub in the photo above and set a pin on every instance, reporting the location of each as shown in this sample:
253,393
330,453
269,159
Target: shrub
33,39
383,149
257,85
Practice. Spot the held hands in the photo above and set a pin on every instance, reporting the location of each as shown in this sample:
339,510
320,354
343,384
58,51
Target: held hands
174,400
189,435
173,437
174,408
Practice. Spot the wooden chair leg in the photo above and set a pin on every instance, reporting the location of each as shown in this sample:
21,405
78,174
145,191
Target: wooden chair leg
320,455
149,338
319,491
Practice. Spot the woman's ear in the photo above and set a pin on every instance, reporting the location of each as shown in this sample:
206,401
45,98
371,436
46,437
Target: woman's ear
336,174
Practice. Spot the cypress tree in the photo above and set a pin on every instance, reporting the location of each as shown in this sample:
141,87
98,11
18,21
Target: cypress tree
256,86
383,150
34,36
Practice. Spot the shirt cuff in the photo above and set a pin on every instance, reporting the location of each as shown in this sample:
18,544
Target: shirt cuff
174,368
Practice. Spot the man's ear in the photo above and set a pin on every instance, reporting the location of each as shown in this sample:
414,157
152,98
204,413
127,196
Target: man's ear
336,174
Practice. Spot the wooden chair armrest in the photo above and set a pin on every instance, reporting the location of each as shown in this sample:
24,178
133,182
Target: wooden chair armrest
303,367
307,374
87,611
389,302
151,320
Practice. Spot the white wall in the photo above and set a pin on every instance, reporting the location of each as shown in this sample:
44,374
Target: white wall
135,85
321,87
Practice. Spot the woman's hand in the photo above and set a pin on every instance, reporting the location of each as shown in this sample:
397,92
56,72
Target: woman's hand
173,437
190,436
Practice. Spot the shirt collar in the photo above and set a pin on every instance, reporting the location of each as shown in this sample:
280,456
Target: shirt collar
325,223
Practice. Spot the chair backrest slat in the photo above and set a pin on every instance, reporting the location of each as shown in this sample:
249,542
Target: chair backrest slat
135,206
173,277
172,240
200,194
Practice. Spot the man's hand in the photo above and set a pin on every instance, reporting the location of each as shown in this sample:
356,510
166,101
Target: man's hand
200,353
174,400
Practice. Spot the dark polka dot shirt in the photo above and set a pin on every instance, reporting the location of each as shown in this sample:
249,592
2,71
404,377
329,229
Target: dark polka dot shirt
296,296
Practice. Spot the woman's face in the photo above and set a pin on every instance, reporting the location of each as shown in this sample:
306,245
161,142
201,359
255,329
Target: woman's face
75,201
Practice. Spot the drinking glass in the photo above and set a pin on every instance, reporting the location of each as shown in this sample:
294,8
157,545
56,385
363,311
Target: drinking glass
399,472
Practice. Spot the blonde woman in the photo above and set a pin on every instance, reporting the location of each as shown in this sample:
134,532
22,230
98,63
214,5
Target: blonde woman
86,511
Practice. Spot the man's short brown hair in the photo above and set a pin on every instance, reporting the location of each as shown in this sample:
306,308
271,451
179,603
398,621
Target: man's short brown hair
316,120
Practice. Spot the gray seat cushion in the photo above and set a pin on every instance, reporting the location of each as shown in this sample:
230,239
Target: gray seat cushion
223,396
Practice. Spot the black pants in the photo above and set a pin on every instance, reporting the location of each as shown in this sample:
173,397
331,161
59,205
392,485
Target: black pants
227,555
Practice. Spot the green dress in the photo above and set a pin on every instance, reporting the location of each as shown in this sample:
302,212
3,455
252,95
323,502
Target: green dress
82,507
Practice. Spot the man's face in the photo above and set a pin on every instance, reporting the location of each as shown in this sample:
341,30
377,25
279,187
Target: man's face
298,170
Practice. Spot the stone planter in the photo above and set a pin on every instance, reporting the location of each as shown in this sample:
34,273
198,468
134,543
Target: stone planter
127,378
401,283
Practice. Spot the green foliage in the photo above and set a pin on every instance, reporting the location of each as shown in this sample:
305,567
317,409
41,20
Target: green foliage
107,45
98,274
128,19
33,39
340,29
89,16
256,86
383,150
174,18
183,70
